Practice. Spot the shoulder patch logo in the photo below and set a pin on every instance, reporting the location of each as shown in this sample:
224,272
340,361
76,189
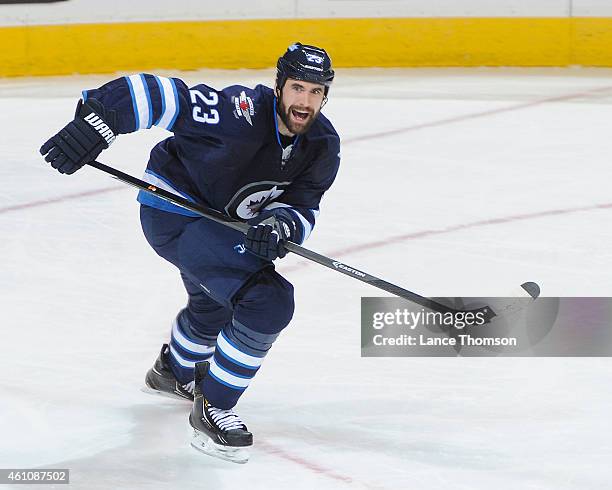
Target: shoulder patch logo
244,107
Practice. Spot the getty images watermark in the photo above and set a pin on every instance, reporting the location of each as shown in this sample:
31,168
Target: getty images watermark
394,327
407,320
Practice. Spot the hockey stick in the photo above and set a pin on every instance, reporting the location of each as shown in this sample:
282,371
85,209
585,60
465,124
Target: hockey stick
531,288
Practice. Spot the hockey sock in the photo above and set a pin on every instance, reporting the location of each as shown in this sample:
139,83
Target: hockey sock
239,353
187,348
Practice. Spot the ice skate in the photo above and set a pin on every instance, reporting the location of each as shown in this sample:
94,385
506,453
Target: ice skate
161,380
216,432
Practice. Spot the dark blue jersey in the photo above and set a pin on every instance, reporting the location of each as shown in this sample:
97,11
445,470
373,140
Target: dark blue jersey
226,152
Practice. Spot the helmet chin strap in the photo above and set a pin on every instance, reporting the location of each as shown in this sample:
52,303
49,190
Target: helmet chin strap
278,92
279,115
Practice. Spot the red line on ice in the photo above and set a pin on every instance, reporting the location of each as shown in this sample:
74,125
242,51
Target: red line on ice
475,115
449,229
309,465
314,467
59,199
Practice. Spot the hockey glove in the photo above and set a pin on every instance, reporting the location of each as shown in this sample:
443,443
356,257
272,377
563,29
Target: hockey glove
81,140
268,232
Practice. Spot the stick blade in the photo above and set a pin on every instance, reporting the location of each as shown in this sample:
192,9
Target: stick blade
532,289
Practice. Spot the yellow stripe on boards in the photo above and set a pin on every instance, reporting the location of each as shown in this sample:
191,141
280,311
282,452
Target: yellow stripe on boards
592,41
385,42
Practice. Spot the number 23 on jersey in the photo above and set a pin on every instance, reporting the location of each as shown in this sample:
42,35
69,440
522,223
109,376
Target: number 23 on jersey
211,116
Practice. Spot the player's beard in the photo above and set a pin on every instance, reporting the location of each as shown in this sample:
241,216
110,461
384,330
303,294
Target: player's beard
293,125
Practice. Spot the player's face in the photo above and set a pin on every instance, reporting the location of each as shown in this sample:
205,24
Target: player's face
299,105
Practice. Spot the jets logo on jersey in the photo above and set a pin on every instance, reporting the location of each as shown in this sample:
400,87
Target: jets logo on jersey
252,198
244,107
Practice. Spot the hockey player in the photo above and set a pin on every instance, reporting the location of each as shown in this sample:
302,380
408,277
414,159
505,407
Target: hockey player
262,155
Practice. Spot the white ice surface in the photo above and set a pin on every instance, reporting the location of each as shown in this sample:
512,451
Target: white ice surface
86,303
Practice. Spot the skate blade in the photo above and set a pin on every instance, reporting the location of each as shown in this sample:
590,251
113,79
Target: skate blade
152,391
204,444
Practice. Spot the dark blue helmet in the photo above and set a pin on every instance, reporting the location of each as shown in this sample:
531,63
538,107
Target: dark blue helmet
306,63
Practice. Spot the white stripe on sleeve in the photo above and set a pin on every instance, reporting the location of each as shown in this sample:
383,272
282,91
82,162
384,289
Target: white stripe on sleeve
142,102
305,223
169,103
